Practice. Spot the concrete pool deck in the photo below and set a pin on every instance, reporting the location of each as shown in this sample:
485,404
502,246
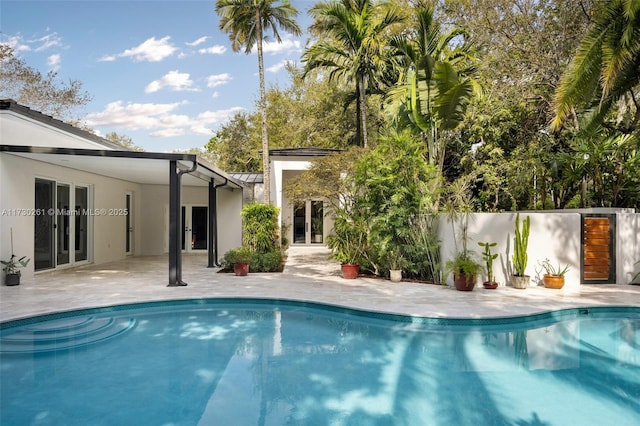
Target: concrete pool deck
308,276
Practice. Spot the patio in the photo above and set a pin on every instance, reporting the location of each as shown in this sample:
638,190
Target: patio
308,276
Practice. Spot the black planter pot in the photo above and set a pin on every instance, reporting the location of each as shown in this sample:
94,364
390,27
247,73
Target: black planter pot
12,279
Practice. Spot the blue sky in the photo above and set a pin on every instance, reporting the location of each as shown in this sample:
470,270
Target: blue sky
159,71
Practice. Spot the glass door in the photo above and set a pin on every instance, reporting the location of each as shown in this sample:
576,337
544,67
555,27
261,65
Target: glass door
195,228
308,222
62,226
128,225
44,225
81,230
300,223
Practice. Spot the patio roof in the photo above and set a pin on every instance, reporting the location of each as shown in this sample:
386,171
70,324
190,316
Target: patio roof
133,166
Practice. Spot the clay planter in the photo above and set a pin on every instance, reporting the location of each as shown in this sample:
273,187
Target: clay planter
350,271
520,282
553,281
241,269
490,285
464,283
395,275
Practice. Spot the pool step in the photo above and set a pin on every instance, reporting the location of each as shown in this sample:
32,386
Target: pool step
65,334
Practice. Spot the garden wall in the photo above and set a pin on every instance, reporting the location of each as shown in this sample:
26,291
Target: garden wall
555,235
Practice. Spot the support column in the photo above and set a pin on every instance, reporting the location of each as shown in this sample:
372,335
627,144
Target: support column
212,249
175,252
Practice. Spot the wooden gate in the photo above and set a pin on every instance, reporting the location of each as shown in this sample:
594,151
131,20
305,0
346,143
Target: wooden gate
598,249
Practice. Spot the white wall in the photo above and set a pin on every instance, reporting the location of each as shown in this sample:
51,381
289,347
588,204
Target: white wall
278,167
155,211
555,236
18,174
628,246
229,219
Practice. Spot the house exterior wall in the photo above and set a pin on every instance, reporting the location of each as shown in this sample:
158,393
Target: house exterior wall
155,211
17,176
281,172
229,219
555,235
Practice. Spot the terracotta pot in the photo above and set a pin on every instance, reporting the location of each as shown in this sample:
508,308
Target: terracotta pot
464,283
490,285
520,282
350,271
241,269
395,275
553,281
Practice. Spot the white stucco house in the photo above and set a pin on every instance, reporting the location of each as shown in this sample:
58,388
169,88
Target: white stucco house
69,197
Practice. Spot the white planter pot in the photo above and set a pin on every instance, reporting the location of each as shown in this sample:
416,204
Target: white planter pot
395,275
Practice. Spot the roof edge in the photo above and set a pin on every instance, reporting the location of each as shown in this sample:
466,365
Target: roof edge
12,105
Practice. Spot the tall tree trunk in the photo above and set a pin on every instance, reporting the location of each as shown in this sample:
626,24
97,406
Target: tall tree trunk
263,111
362,100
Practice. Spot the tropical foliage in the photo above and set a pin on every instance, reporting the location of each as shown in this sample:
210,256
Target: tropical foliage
246,22
352,46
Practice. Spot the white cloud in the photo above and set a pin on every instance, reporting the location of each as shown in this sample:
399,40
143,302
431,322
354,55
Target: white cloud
218,80
54,61
280,65
177,81
198,41
167,133
46,42
160,119
208,119
218,49
131,116
151,50
108,58
288,45
15,42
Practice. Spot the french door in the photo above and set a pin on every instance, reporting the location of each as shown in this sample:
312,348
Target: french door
60,224
128,224
194,228
308,222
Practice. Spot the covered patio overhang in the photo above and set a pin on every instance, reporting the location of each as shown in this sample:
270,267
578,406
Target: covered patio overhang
172,169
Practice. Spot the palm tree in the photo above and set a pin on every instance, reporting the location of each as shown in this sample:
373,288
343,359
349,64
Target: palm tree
436,83
605,68
352,46
245,21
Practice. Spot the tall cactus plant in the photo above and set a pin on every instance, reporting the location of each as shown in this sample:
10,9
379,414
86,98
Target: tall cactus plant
521,241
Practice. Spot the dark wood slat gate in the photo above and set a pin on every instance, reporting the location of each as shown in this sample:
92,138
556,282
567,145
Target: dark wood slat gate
598,249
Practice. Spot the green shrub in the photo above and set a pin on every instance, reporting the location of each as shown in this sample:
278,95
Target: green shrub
260,227
266,262
270,261
237,255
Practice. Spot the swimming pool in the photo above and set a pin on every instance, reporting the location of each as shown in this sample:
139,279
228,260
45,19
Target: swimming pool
260,362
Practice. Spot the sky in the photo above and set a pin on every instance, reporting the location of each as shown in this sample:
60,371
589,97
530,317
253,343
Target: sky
159,72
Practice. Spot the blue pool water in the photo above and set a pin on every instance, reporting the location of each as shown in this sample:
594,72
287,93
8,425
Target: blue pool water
256,362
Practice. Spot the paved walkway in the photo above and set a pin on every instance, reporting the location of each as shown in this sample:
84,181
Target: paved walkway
308,276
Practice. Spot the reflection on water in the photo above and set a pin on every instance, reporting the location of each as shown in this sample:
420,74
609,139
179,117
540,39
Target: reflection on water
289,365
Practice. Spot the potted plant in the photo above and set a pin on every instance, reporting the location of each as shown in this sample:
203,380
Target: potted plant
488,258
464,269
464,266
554,277
396,263
316,229
347,244
520,258
12,266
12,269
239,258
